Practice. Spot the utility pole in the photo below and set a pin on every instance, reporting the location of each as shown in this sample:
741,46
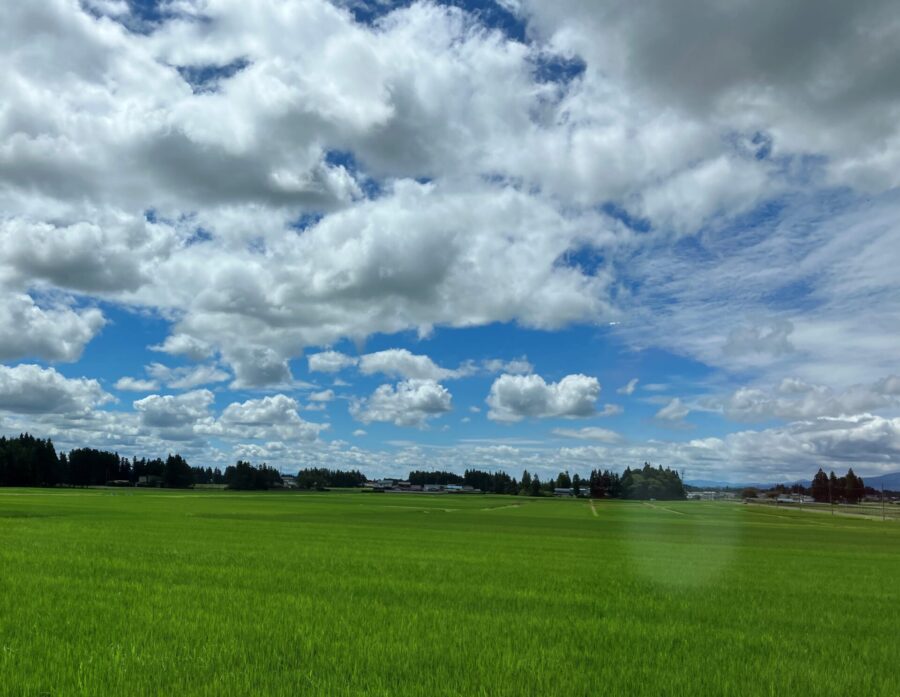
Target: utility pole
830,499
882,501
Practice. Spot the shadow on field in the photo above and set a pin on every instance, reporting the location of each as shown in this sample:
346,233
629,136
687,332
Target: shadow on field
682,545
26,514
255,516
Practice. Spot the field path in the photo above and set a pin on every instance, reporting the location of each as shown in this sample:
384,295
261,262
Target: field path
776,515
594,510
663,508
869,515
766,509
802,520
414,509
497,508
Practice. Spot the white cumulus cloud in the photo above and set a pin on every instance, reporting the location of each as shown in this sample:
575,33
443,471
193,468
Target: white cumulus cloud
409,403
31,389
274,416
516,397
128,384
401,363
330,361
53,332
180,412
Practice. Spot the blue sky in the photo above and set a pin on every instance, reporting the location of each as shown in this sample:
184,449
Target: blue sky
510,234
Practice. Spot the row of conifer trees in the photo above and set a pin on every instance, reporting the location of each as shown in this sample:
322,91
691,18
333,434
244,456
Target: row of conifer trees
827,488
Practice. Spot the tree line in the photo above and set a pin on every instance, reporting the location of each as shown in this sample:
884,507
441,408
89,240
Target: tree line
320,478
30,461
645,483
244,476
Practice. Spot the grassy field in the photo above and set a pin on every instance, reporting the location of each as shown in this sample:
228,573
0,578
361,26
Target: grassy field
216,593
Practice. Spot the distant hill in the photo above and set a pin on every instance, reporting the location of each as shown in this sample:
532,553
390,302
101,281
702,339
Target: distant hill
891,481
714,484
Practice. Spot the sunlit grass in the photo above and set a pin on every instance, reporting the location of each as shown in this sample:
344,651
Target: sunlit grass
219,593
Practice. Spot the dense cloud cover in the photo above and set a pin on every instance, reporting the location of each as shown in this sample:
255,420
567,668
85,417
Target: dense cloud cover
273,181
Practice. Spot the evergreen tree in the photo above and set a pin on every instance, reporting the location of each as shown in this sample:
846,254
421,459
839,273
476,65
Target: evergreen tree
594,484
320,478
615,484
245,476
526,483
838,484
820,486
854,488
64,473
439,478
177,473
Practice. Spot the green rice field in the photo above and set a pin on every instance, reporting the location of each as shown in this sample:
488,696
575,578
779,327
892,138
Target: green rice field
137,592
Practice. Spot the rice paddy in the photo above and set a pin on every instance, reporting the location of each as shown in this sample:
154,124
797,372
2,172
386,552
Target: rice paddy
110,592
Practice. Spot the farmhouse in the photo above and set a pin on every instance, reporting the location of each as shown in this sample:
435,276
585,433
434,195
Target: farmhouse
583,492
794,498
381,484
403,486
149,480
704,495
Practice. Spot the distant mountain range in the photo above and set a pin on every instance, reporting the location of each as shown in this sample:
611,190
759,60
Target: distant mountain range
890,481
714,484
